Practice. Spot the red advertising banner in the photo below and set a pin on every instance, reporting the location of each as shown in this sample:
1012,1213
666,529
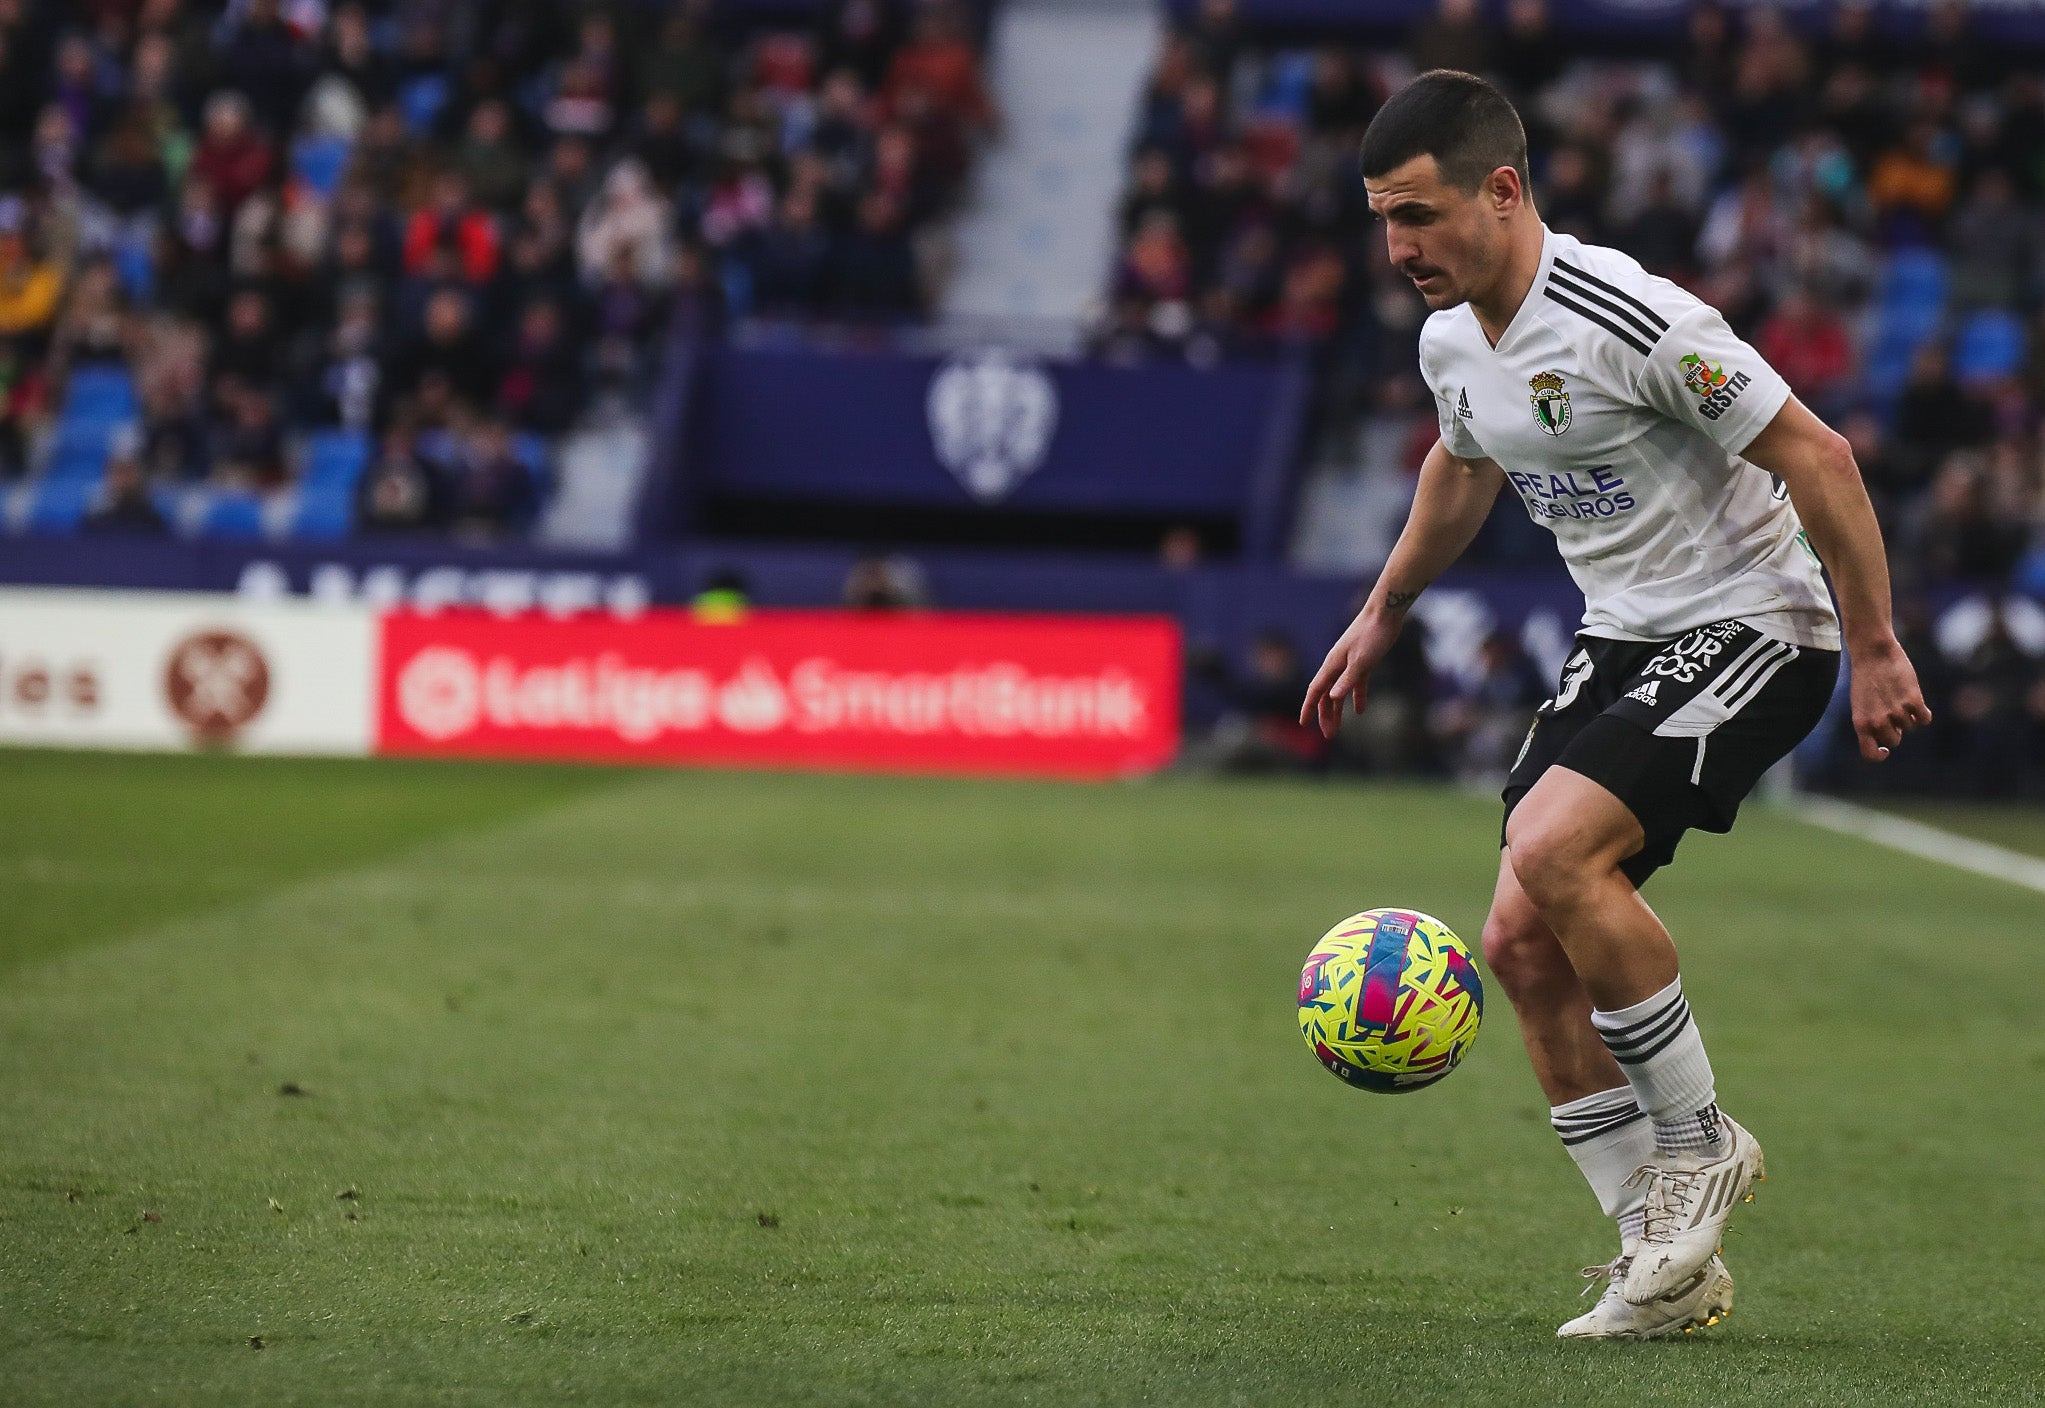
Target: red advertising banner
1062,696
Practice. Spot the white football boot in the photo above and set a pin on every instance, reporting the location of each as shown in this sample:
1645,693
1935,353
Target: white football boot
1690,1197
1703,1301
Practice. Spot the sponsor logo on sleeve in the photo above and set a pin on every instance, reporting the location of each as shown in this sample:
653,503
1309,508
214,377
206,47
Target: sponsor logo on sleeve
1715,388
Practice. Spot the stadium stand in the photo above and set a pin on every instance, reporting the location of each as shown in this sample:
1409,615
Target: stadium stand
375,277
1848,201
265,237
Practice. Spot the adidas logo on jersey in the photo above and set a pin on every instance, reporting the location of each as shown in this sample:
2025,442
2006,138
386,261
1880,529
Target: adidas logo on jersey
1463,403
1646,693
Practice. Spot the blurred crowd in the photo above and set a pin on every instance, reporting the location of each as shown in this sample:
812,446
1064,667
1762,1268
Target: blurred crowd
1982,666
1868,211
447,225
1870,215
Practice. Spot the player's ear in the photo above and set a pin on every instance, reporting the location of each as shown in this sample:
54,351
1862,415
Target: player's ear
1503,191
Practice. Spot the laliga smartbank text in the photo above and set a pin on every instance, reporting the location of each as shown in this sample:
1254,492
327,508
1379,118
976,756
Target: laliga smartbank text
1056,695
446,692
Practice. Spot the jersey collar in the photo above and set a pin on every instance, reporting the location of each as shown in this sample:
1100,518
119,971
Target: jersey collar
1525,313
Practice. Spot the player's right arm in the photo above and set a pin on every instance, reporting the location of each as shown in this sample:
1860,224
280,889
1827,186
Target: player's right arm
1452,501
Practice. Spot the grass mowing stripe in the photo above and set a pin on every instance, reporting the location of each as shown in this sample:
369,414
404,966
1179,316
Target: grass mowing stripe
1155,908
728,1142
102,843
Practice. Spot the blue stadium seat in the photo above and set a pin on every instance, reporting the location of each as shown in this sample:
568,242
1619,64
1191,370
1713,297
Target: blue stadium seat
323,514
2030,574
421,101
233,513
1990,345
55,506
1915,279
335,458
1887,366
1910,308
76,464
78,450
320,161
135,263
1288,84
100,393
531,450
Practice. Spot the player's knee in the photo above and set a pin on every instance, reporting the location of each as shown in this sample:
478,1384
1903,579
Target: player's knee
1546,860
1522,952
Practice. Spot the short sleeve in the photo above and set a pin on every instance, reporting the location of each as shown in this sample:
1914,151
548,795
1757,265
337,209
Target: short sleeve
1455,431
1703,375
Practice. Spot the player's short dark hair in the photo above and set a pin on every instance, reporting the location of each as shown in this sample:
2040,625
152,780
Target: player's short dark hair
1465,124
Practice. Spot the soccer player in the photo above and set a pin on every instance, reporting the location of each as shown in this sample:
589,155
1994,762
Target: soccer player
1694,499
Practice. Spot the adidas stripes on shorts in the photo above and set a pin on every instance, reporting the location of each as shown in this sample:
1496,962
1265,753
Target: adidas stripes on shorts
1681,730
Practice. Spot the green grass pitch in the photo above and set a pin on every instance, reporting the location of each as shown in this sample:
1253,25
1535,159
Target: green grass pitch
327,1083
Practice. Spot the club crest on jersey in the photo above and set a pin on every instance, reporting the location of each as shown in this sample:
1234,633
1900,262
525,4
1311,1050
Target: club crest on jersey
1551,402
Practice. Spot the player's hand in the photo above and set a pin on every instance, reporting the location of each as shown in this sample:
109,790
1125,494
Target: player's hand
1344,677
1887,702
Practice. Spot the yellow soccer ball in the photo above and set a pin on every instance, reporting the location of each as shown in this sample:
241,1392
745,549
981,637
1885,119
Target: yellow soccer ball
1390,1000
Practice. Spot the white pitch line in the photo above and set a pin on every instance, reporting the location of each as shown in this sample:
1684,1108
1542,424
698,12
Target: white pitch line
1928,842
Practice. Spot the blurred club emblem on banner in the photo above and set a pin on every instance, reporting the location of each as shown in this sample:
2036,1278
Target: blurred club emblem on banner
991,421
216,682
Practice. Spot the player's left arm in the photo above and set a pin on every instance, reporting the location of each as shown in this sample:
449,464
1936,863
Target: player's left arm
1816,465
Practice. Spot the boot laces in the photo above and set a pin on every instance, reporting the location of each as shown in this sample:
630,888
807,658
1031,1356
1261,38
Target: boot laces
1670,1191
1611,1273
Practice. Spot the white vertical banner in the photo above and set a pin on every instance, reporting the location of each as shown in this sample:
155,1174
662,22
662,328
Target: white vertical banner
160,670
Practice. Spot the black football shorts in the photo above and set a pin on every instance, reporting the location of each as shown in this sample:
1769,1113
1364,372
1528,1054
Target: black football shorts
1678,730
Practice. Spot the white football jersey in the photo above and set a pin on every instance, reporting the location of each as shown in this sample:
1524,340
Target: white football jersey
1617,404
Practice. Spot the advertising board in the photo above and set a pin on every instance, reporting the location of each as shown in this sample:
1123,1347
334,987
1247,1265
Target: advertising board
1062,696
161,670
1055,696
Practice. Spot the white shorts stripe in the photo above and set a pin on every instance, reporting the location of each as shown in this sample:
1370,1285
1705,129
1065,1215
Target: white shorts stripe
1722,686
1730,693
1761,677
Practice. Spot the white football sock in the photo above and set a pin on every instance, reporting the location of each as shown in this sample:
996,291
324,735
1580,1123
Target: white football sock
1662,1053
1609,1136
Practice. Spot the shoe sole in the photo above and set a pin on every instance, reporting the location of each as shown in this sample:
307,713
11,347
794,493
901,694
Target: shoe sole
1717,1308
1707,1316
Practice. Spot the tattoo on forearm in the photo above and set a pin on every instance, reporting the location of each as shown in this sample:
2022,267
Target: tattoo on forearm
1399,601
